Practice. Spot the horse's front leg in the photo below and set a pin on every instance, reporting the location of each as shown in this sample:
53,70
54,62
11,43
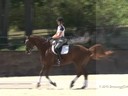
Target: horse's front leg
41,74
47,76
48,66
53,83
74,80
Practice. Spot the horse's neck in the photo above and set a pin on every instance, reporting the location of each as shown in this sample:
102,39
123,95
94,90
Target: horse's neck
42,47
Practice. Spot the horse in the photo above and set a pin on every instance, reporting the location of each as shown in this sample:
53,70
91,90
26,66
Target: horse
77,55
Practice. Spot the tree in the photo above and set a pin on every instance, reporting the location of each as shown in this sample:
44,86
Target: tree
111,12
4,10
77,13
28,17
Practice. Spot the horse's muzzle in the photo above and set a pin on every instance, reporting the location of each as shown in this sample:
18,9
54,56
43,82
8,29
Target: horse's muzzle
28,52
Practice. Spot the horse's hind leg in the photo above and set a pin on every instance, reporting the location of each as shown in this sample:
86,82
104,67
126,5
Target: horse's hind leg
85,82
80,70
79,73
74,80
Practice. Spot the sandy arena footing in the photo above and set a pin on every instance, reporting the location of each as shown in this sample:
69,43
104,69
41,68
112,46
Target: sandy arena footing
98,85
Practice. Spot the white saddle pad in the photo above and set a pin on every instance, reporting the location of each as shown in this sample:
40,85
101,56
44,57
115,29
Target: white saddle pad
64,50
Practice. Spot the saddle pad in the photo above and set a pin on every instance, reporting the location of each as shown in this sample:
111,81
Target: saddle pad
64,50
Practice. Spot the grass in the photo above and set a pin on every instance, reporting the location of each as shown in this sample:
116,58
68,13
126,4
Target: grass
20,48
20,34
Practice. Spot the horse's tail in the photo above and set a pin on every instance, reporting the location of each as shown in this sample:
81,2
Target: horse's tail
98,52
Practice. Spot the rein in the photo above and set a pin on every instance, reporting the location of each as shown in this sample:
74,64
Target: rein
47,40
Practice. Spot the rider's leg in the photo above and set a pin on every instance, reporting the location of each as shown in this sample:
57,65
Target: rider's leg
58,45
58,57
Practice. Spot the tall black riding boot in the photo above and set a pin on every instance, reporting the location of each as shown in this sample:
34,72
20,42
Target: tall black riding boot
59,57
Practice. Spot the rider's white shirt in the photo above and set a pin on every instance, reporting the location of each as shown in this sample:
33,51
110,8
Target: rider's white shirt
61,28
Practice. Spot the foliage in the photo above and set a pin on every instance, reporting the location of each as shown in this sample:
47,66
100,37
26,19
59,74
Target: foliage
111,12
77,13
16,15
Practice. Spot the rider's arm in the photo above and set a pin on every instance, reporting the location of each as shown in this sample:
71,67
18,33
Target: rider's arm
57,35
59,32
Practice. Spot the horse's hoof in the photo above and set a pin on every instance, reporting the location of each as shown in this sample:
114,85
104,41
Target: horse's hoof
72,84
53,83
83,87
38,85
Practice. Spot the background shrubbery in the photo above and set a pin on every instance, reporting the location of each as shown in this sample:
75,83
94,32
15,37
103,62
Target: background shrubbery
80,16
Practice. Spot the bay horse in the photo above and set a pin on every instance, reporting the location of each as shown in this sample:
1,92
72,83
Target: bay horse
78,55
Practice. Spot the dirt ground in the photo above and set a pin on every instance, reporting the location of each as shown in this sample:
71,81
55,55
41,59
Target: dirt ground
98,85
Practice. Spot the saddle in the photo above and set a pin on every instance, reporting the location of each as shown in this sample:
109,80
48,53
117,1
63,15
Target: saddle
64,49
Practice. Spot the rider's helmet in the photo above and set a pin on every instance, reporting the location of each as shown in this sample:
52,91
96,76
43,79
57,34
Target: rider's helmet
60,19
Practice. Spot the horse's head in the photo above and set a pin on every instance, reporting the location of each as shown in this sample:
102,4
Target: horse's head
29,45
41,43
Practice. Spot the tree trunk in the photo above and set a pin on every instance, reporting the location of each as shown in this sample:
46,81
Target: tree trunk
4,13
28,17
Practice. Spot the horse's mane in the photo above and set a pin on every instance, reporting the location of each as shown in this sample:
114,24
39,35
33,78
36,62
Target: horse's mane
38,38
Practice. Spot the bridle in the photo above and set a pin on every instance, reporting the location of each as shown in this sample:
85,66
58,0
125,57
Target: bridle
28,51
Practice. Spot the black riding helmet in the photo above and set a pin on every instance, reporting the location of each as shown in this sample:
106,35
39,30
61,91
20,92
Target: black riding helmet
60,19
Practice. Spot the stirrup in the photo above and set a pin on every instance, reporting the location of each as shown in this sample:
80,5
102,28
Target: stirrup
58,62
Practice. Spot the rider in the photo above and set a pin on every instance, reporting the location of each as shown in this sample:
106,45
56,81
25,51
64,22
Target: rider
59,35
